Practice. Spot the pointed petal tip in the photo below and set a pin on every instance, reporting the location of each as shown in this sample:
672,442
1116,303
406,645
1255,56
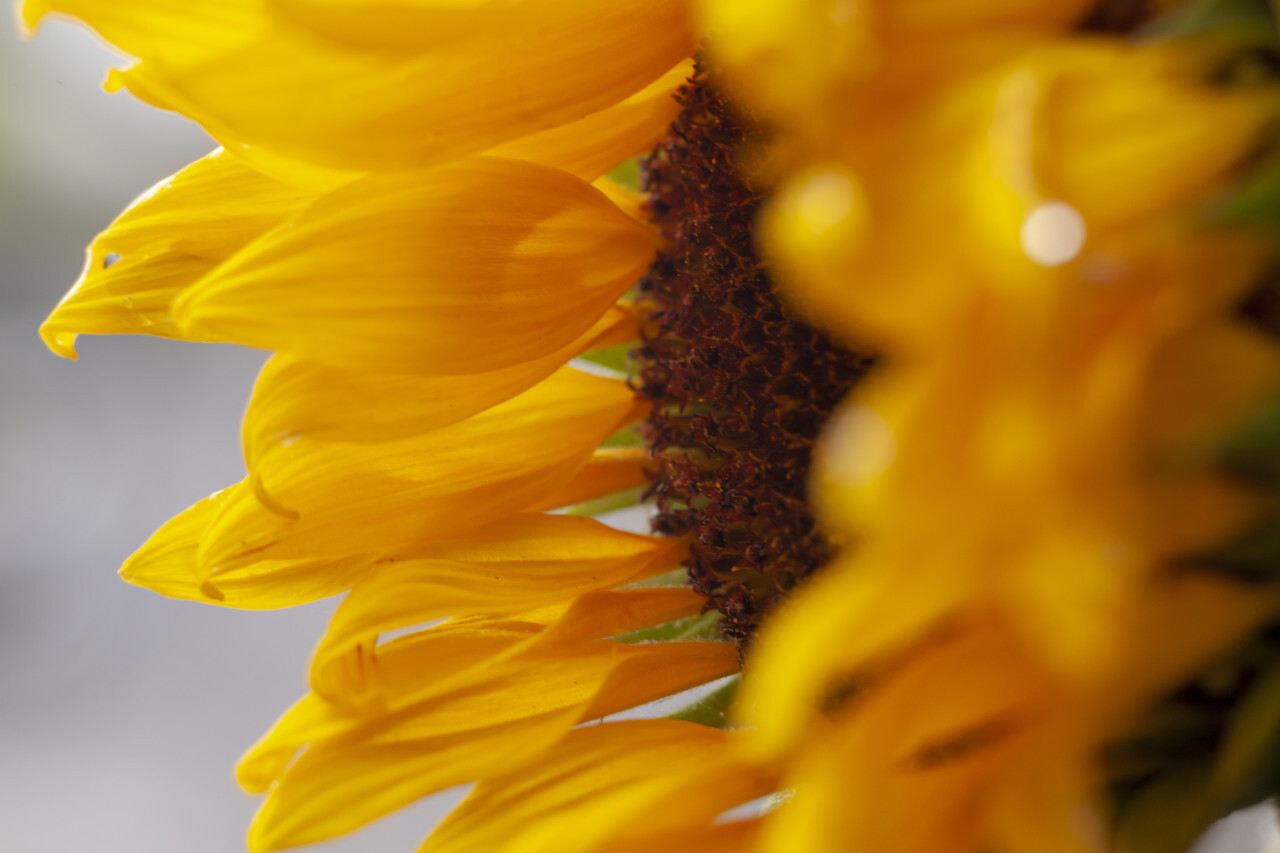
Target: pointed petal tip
252,775
115,80
140,570
28,15
59,342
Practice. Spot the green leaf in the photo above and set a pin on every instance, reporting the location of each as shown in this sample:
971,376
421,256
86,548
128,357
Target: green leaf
711,710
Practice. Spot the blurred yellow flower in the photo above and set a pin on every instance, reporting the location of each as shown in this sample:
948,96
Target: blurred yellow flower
970,595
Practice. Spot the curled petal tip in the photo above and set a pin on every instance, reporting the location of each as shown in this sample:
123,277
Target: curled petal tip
115,80
59,342
28,15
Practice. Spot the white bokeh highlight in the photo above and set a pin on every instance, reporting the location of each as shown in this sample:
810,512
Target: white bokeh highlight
1053,234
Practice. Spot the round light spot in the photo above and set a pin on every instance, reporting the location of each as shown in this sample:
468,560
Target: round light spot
858,445
825,200
1053,233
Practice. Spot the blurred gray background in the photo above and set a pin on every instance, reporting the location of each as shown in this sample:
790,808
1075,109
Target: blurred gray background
122,713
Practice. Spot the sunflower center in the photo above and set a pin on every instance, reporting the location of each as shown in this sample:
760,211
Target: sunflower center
740,387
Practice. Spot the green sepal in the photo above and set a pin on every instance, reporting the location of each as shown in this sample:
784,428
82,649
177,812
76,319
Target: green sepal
614,358
627,437
1247,768
1253,556
608,503
627,173
711,710
1252,454
690,628
675,577
1168,811
1252,202
1165,815
1248,19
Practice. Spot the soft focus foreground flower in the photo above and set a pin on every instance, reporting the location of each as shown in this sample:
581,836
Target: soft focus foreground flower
1036,212
1036,612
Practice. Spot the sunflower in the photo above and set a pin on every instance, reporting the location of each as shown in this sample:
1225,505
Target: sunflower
980,501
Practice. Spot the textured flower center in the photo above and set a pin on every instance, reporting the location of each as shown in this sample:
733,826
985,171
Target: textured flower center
740,387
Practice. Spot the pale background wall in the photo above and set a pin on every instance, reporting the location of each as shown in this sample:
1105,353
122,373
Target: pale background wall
121,713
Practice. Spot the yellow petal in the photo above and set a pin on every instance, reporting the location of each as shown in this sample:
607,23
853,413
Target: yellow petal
331,791
1149,140
549,62
160,29
559,637
171,236
591,146
1207,377
463,269
520,703
655,670
665,804
806,649
1175,629
393,674
609,470
327,500
589,762
517,564
415,663
629,201
167,564
390,23
610,613
295,397
732,837
838,798
473,658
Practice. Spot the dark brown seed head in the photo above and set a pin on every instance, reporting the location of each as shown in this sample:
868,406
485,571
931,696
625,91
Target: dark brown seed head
740,387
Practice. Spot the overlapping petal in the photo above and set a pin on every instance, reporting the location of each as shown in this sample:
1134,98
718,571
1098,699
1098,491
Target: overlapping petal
295,397
517,564
977,159
479,711
609,471
169,238
162,30
168,563
324,499
591,146
619,781
463,269
367,106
